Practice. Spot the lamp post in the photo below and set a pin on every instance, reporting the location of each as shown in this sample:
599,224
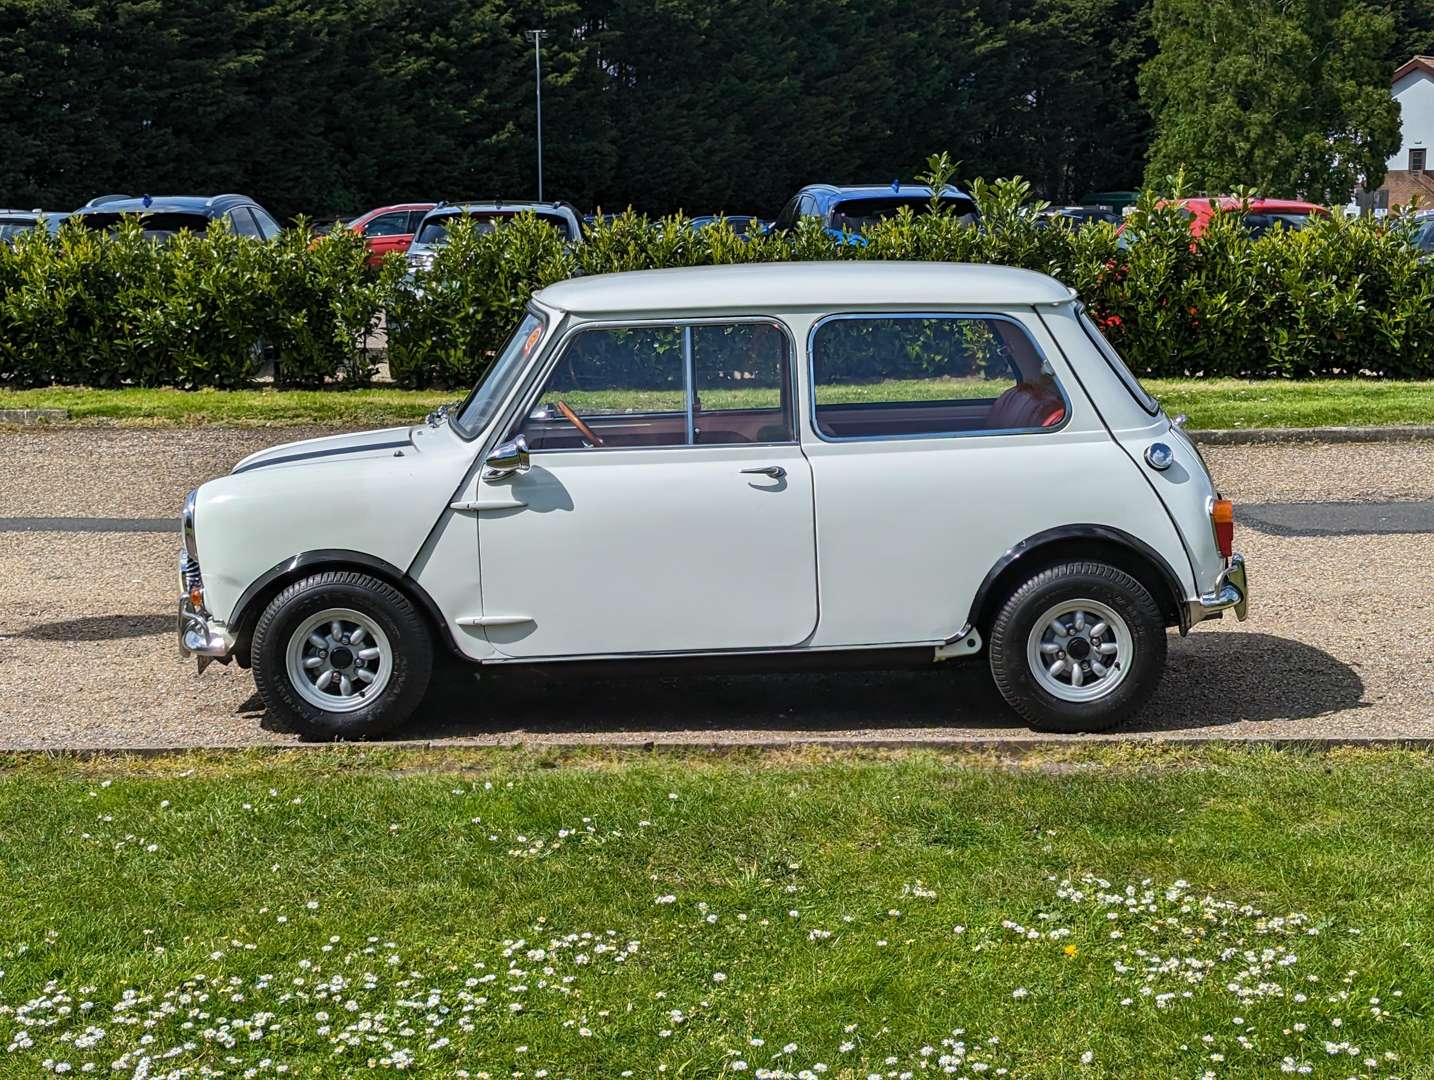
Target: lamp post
536,37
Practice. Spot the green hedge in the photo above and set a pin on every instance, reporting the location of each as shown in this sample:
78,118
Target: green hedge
1339,298
211,309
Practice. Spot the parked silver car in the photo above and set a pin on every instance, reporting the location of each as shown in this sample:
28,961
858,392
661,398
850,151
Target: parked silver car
432,231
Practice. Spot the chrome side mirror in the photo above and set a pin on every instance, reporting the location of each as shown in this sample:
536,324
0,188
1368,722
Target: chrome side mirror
506,459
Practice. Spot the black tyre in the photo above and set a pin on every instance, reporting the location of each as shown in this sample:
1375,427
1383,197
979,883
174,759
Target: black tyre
342,655
1078,647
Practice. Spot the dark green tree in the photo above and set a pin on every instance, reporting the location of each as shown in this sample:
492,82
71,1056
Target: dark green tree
1413,29
1292,98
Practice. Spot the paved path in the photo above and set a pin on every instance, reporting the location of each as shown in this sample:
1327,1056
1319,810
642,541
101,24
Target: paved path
88,524
1337,646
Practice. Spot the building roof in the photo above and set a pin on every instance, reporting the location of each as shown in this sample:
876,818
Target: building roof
1415,63
828,286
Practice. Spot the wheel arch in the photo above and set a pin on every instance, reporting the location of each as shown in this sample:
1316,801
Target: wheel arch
1087,541
273,581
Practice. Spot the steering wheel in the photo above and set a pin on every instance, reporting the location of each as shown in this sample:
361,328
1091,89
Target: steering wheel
577,421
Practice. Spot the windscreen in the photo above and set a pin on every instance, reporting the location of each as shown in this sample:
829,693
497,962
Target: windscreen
853,215
502,375
157,226
1259,222
435,229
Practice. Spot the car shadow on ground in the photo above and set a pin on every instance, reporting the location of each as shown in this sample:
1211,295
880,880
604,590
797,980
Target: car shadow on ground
1213,679
100,628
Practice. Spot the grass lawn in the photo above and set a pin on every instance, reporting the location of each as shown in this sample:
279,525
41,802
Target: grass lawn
1215,403
1104,912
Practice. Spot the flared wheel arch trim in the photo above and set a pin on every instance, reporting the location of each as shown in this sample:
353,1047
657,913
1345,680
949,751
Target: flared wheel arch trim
270,583
1030,551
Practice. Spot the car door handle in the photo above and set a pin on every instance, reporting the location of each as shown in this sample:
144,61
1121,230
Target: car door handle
776,472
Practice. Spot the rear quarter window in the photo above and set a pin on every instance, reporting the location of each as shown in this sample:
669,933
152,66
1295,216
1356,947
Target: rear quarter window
1127,377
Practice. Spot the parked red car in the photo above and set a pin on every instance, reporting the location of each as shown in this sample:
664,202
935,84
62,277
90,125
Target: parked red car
1260,215
389,228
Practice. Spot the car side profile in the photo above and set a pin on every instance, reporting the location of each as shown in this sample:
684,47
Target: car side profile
735,467
1259,215
161,216
389,229
844,212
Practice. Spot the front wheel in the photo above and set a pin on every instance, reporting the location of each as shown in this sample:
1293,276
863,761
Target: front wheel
1078,647
342,655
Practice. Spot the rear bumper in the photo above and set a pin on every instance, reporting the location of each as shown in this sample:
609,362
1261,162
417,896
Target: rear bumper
1231,592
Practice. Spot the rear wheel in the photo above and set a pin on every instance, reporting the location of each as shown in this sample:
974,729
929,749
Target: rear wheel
1079,647
342,655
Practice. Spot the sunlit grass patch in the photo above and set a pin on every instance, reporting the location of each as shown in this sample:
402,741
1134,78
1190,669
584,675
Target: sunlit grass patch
500,914
1209,403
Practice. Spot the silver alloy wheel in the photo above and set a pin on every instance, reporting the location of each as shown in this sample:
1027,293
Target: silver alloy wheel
1080,650
339,660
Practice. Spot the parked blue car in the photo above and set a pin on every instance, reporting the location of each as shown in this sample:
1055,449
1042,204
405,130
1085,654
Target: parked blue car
844,212
164,215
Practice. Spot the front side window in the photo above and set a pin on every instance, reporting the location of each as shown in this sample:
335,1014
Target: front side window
395,224
671,385
887,376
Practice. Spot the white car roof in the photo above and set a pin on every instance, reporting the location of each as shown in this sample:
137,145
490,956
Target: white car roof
831,286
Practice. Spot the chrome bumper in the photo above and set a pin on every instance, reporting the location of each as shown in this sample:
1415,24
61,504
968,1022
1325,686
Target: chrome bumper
197,637
1231,591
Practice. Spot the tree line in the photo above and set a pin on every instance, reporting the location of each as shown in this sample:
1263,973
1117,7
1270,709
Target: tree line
333,106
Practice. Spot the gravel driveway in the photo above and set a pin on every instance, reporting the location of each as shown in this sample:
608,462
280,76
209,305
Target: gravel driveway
1337,645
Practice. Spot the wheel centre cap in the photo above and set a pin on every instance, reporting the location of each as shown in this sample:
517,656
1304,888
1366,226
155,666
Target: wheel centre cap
1079,648
341,657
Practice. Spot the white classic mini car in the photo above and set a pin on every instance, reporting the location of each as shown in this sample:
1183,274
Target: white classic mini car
878,463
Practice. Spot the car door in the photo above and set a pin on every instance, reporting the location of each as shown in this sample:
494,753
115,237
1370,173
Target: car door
667,506
386,233
939,442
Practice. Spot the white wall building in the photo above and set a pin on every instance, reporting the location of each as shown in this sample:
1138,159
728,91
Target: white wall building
1409,174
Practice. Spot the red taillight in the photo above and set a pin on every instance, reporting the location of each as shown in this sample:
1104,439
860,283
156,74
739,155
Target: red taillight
1222,517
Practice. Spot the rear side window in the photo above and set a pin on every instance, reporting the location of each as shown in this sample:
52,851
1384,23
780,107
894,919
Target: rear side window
1127,377
244,223
906,376
267,225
